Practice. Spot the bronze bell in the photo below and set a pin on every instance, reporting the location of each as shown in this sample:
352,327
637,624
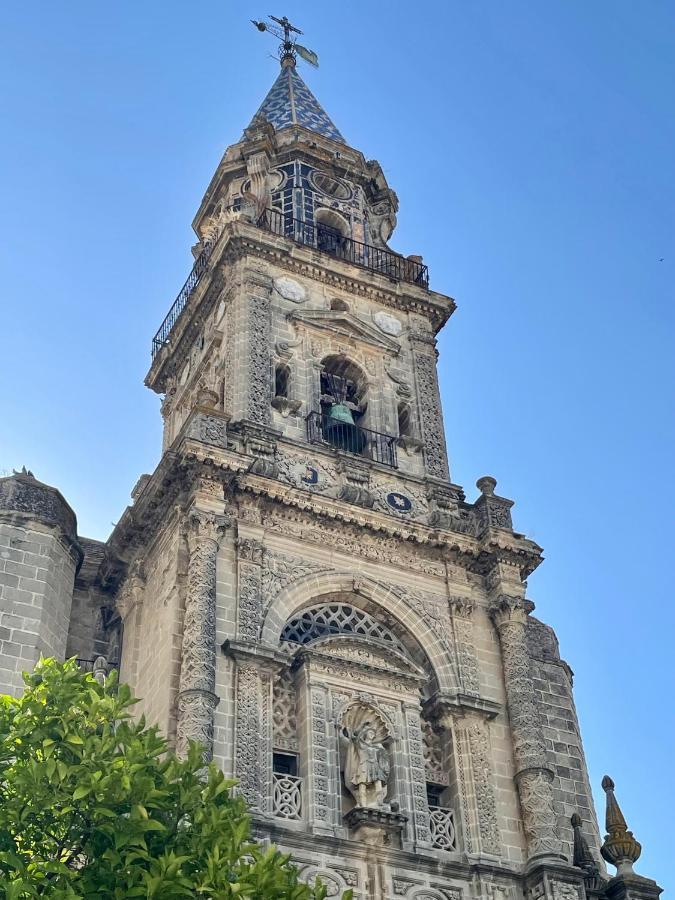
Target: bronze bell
341,413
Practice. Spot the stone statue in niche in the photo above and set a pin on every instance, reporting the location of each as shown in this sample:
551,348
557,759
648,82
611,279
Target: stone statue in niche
366,759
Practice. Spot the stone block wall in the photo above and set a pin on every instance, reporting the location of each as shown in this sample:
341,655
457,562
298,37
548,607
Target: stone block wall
552,679
36,586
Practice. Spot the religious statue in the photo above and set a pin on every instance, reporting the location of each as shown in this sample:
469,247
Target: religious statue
366,766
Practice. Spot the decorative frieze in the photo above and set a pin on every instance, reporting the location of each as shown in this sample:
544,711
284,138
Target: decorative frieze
197,698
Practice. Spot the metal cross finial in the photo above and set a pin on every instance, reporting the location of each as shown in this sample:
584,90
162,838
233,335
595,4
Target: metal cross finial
289,47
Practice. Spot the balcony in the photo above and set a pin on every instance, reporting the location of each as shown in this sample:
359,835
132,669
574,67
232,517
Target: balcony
443,833
328,240
287,796
320,237
374,445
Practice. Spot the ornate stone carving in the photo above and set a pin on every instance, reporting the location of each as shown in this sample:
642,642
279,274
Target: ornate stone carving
431,415
319,739
196,698
285,734
413,729
462,609
533,775
367,762
259,380
280,570
247,741
485,796
208,429
432,748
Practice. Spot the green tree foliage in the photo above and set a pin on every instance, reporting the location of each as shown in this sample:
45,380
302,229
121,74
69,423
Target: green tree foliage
92,805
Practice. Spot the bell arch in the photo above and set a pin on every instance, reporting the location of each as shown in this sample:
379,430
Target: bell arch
308,592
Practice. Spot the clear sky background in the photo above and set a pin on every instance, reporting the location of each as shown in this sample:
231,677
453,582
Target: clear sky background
531,145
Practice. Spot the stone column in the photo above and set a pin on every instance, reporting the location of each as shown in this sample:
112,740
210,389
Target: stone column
196,696
534,776
129,603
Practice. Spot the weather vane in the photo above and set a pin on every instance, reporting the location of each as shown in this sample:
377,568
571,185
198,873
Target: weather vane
289,45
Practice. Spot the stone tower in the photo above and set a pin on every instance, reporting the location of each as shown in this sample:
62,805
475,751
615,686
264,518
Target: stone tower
300,586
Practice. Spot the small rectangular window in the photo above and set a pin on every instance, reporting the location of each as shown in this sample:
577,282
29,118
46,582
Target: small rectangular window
285,763
434,794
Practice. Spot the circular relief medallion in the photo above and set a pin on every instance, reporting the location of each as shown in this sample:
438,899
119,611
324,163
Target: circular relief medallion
290,289
399,502
387,323
310,476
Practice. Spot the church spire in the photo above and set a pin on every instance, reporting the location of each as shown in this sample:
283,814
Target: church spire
289,101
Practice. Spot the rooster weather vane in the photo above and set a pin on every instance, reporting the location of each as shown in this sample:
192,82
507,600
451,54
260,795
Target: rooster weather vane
289,47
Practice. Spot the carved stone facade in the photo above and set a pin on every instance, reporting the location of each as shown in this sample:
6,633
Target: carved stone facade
299,586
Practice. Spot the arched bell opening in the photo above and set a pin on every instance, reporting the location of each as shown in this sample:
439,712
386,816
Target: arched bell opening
332,231
343,402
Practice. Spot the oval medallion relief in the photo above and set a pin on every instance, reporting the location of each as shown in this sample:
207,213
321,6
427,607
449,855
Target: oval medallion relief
388,323
290,289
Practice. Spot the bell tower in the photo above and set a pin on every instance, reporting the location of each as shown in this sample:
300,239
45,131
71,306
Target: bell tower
303,589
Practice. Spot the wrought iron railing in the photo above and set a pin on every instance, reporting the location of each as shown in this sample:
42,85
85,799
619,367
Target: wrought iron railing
193,279
328,240
352,438
443,832
287,796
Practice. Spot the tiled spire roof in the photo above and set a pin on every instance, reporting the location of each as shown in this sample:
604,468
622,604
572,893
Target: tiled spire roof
290,102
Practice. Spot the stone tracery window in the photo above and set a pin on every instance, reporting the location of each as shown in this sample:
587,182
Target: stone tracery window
338,618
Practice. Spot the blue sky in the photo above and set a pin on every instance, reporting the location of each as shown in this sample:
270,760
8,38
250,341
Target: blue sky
531,145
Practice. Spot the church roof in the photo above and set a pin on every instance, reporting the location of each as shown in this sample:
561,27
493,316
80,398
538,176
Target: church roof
290,102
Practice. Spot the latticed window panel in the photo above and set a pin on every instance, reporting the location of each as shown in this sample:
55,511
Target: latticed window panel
284,713
443,833
433,755
287,798
337,618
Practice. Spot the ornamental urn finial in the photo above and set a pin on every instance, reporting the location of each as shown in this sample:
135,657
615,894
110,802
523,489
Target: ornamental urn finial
619,847
486,485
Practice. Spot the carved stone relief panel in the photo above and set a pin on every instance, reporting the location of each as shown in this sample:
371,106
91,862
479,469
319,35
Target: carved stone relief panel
259,373
431,415
306,472
253,736
476,787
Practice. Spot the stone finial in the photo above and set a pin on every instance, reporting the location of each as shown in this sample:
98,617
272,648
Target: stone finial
486,485
583,859
24,471
619,847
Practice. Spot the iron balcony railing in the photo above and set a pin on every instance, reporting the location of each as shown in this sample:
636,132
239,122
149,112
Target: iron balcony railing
193,279
328,240
321,237
322,429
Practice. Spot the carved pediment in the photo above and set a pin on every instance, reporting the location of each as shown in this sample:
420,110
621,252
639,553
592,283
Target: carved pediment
345,324
355,651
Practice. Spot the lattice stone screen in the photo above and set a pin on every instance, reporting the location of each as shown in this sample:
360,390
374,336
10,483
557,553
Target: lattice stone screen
337,618
442,822
433,755
284,714
287,797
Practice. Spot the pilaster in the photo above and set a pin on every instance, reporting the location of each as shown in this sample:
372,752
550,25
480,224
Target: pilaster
197,699
429,400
